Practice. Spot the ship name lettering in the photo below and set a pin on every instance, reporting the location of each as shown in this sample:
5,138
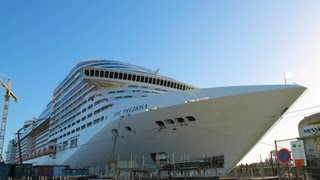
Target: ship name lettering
130,110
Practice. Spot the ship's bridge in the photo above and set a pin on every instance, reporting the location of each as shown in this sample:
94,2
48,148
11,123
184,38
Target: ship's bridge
102,77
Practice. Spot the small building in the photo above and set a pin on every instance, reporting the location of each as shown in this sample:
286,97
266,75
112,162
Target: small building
309,131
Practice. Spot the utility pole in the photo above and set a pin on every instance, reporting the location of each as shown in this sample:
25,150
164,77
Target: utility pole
7,96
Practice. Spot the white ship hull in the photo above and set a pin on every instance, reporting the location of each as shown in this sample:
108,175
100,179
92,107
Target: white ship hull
228,121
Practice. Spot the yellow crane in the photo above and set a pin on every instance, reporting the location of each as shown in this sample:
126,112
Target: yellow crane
7,96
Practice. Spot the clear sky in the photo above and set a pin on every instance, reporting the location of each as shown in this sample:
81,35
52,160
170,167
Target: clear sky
205,43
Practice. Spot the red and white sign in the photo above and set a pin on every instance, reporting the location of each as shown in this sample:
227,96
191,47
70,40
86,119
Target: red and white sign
298,153
284,155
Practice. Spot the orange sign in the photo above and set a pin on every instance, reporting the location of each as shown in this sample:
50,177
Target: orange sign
299,162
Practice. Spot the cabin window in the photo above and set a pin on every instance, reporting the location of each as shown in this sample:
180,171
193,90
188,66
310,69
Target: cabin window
146,79
84,126
127,128
73,143
191,118
89,124
96,121
134,77
161,82
179,120
116,75
96,73
150,80
91,72
165,83
78,129
101,73
129,77
106,74
158,81
111,74
83,118
142,79
120,75
86,72
138,78
169,121
160,124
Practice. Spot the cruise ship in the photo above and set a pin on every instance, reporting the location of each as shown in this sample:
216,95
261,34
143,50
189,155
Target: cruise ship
108,110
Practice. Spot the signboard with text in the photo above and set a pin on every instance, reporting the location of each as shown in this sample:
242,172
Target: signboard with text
298,153
311,130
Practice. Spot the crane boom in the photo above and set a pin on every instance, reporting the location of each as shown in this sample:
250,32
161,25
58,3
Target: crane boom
7,96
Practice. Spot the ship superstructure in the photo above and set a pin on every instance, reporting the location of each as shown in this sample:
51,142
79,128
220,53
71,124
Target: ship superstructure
106,110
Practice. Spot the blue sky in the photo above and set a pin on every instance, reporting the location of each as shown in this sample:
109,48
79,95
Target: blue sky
204,43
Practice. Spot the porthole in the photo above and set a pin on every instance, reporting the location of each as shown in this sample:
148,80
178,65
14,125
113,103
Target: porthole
127,128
